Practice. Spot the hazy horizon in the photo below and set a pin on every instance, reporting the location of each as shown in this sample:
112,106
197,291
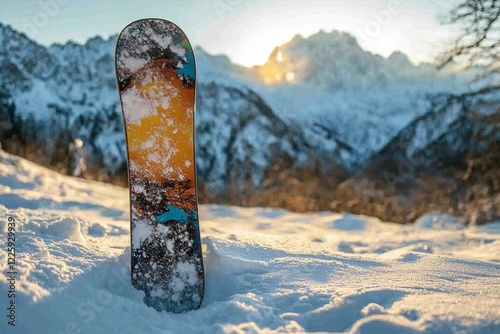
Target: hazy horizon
245,31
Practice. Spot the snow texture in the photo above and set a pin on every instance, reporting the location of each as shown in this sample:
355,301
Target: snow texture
267,270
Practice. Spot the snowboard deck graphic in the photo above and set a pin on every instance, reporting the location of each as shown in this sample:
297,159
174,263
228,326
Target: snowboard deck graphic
155,70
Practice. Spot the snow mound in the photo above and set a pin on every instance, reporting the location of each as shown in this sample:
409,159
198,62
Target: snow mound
66,228
439,221
350,223
493,227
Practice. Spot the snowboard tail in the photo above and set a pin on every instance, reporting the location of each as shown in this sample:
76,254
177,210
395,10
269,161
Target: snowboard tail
156,75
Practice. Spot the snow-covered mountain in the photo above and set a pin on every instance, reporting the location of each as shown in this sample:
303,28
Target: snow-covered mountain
454,125
238,134
341,104
64,92
334,61
444,160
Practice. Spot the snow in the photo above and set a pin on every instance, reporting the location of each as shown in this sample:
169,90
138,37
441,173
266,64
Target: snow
267,270
440,220
133,100
424,135
132,63
65,228
142,232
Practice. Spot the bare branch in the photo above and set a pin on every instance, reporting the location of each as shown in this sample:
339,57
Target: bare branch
477,43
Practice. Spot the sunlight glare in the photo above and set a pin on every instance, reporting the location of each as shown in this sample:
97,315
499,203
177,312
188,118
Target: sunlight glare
279,57
78,142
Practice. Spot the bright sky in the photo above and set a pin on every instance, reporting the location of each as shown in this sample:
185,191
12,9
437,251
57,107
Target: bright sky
245,30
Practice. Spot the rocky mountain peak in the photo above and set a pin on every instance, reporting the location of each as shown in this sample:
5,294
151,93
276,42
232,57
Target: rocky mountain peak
334,61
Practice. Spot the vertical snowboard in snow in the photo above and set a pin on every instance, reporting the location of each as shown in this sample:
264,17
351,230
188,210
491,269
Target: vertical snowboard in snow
155,69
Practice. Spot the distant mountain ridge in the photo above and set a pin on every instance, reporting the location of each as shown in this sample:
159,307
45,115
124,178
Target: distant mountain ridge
335,61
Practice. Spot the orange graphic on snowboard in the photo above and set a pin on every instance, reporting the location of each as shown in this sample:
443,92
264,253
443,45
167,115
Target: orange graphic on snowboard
161,145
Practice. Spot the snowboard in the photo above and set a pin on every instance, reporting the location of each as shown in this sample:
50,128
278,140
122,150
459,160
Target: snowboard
155,69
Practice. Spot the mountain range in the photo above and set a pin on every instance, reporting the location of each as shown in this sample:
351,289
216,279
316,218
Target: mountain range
320,98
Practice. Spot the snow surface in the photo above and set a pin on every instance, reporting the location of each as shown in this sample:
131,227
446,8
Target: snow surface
267,270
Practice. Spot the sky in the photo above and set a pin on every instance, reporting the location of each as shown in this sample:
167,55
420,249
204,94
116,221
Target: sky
245,30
